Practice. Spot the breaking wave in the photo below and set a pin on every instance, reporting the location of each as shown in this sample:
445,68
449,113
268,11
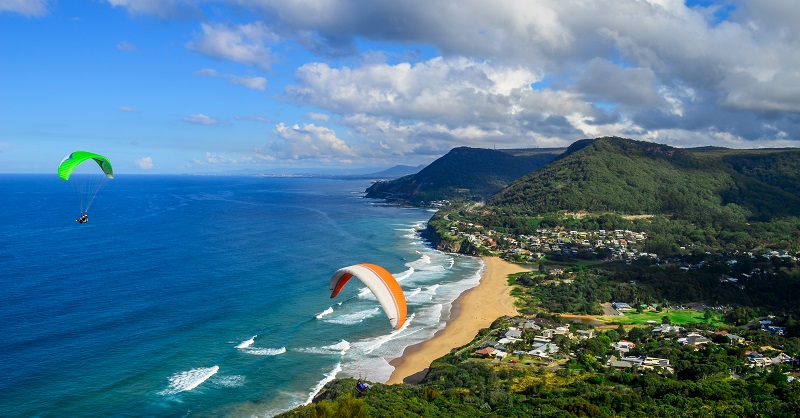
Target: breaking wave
325,313
248,343
265,351
368,346
353,318
188,380
414,292
404,275
232,381
339,348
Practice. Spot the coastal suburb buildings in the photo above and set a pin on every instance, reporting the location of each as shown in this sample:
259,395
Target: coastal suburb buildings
544,342
615,244
598,244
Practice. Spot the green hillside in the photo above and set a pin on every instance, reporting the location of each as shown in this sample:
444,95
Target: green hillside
686,200
464,174
706,185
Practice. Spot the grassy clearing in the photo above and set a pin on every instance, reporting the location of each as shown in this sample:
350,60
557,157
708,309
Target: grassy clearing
676,317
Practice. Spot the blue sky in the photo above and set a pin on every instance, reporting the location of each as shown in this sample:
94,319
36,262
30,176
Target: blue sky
179,86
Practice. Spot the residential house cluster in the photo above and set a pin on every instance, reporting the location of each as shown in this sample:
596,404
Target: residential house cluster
759,360
513,341
540,346
768,326
621,243
641,363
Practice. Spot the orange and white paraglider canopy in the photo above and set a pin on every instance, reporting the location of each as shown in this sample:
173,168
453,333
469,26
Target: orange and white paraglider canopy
382,284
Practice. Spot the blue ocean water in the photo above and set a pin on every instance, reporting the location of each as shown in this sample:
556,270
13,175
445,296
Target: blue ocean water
203,295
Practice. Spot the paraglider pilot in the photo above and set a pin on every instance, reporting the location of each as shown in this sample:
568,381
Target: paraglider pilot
362,387
83,219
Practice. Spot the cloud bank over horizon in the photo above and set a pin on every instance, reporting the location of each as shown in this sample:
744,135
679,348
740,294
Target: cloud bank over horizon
371,83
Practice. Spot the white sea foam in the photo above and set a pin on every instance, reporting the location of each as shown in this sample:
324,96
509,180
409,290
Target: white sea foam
339,348
184,381
353,318
432,289
420,225
425,259
370,345
404,275
247,343
232,381
413,293
328,377
325,312
431,262
265,351
431,314
370,357
365,293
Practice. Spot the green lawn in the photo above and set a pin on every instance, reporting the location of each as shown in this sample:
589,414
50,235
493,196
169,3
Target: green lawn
676,317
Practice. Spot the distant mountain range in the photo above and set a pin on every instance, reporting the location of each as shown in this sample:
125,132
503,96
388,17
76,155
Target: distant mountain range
391,173
465,174
385,175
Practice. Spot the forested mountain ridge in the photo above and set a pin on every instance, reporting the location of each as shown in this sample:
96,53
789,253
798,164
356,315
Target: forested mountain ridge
464,174
707,185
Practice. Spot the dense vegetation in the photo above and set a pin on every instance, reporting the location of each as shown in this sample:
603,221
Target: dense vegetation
582,293
581,290
464,174
636,177
703,199
700,384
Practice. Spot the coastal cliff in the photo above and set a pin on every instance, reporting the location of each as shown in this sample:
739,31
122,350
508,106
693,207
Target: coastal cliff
446,242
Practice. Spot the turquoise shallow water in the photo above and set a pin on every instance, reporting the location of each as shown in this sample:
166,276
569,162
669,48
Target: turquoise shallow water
203,296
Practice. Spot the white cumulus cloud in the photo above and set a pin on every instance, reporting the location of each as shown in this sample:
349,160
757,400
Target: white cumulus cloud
145,163
245,44
31,8
126,46
511,72
437,88
305,142
201,119
251,82
319,117
161,8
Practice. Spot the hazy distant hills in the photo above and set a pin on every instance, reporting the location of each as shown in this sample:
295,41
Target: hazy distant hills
398,171
465,174
390,173
705,185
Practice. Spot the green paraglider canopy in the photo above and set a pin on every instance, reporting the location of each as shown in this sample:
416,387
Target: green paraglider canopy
72,161
86,182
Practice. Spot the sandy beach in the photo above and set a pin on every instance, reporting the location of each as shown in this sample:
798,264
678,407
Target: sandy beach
475,309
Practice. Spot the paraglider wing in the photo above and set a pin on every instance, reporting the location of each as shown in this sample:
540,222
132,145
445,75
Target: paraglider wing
72,161
382,284
87,185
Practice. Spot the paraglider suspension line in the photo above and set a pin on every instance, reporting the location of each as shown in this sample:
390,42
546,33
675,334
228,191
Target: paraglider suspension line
87,187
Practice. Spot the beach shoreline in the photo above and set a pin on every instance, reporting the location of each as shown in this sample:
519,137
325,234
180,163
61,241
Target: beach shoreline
472,311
